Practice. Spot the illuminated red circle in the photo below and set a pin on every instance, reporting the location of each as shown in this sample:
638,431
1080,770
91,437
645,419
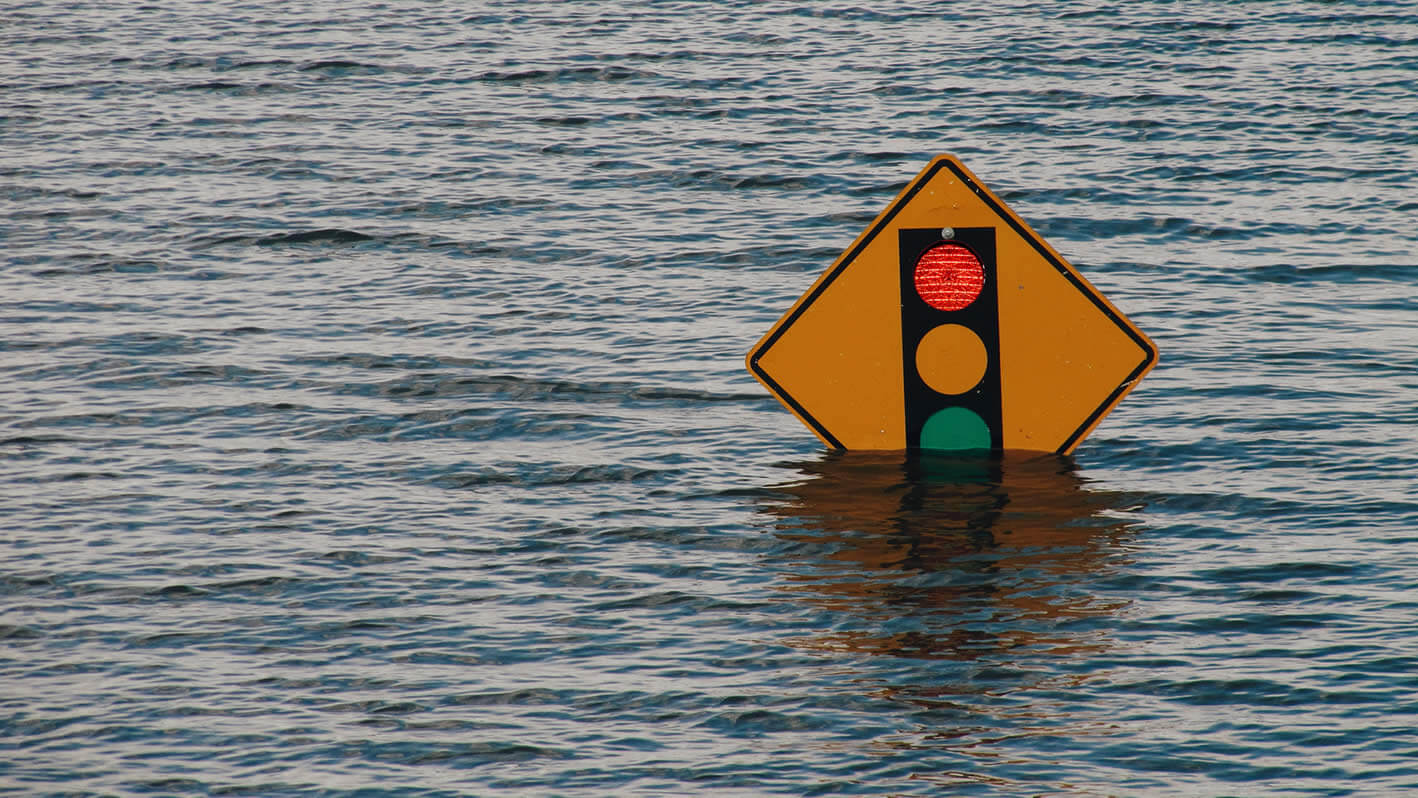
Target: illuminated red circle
949,276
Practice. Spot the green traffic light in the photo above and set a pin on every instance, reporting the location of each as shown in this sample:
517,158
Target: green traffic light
954,429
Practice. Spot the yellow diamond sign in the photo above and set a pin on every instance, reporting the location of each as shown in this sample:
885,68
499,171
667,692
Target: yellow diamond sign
950,325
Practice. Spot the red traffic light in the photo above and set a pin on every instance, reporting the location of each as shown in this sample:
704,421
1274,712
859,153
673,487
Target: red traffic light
949,276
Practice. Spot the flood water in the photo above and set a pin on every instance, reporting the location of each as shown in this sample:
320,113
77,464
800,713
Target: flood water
374,419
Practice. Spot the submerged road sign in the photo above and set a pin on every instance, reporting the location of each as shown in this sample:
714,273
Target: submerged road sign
950,325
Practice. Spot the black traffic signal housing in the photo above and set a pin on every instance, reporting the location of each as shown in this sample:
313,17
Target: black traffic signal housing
970,419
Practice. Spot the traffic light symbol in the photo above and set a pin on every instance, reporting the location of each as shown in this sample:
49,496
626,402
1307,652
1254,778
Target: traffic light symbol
950,338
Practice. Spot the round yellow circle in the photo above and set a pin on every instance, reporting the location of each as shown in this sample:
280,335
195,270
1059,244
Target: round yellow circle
951,359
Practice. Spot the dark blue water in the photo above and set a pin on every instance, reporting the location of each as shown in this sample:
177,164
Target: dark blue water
373,418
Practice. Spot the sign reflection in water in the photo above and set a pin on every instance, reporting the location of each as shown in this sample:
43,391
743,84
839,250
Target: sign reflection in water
992,561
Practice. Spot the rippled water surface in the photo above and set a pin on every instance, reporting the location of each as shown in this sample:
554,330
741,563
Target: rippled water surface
373,418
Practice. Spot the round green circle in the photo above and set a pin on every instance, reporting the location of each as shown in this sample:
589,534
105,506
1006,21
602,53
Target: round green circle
955,428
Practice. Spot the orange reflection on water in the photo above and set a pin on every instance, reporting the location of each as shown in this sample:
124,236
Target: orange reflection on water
950,558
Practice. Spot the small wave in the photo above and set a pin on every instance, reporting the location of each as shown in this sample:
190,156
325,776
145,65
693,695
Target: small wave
253,64
330,235
506,385
10,632
37,440
565,121
567,74
556,475
338,65
211,85
177,593
101,264
233,89
1401,274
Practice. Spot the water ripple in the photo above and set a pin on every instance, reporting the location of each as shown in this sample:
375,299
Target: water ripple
375,417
